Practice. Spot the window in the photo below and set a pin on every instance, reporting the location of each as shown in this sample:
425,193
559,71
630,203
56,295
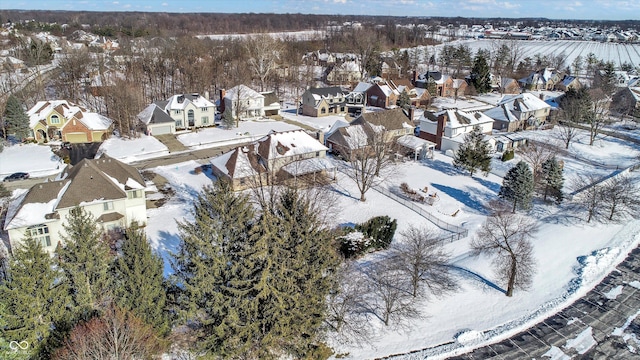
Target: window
55,119
135,194
178,111
323,111
204,109
108,206
205,120
40,233
191,117
178,123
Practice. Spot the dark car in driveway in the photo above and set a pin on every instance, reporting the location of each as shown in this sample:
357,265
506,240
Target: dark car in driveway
17,176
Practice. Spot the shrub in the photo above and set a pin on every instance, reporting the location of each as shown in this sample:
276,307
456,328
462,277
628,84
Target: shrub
354,244
380,230
507,155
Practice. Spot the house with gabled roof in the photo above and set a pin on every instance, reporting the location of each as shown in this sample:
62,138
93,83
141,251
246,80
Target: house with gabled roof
568,82
324,101
543,79
189,110
63,120
447,128
155,121
244,102
360,132
382,96
278,156
519,112
111,191
627,101
344,73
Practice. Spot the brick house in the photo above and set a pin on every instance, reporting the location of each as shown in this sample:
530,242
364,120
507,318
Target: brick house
64,121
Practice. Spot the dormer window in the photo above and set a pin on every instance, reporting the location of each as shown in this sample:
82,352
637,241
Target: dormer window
55,119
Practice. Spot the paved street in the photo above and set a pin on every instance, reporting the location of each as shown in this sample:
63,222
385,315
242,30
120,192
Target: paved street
604,309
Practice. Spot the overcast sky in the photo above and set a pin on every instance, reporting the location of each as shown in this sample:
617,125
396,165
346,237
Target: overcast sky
553,9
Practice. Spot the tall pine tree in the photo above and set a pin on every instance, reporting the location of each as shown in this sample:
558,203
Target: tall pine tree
139,284
85,259
481,74
263,281
552,179
34,298
474,153
517,186
16,120
209,248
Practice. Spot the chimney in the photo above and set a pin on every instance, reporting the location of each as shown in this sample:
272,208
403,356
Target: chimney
541,96
442,122
415,77
223,93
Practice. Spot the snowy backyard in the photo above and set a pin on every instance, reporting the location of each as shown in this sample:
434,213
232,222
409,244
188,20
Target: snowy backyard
572,256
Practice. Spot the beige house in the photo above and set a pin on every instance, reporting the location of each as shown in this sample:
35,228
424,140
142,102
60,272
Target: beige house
65,121
324,101
278,155
111,191
519,112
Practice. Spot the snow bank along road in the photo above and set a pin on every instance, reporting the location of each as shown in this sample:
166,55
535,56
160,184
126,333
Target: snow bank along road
604,324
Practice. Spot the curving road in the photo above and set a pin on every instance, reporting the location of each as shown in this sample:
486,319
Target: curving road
604,324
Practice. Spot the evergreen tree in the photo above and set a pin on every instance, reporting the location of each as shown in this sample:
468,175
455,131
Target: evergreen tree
404,101
259,284
16,120
552,179
34,298
208,250
84,258
474,153
6,351
480,74
517,186
139,284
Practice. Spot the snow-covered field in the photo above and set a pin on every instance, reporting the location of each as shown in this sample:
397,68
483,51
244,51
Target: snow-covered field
572,256
128,150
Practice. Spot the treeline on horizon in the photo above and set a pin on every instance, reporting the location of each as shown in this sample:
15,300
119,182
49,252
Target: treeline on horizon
140,24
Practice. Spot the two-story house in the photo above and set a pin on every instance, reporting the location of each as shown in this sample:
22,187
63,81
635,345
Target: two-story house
324,101
361,131
65,121
519,112
447,128
382,96
278,156
543,79
111,191
243,102
189,110
344,73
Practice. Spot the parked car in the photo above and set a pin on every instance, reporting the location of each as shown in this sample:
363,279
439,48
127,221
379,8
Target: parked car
17,176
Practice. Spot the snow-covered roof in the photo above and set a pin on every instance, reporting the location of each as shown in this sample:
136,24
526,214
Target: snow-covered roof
362,87
459,118
288,143
89,181
42,109
414,142
180,101
523,102
308,166
243,91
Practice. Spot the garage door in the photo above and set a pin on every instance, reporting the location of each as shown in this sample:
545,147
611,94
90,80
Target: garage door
77,138
161,130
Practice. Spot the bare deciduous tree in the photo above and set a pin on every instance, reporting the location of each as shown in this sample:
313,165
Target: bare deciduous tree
505,237
264,53
536,153
620,197
589,192
390,297
347,310
370,161
420,255
597,116
74,69
116,335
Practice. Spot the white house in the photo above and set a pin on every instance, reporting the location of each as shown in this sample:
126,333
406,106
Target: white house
519,112
244,102
111,191
447,128
189,110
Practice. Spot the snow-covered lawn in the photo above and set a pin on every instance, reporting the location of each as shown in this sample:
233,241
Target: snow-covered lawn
129,150
323,123
37,160
246,131
572,256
